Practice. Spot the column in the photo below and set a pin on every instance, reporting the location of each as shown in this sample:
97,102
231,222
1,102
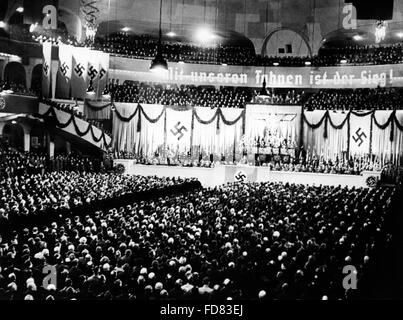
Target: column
27,141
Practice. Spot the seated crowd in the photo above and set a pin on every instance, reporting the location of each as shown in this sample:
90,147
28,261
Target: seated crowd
354,166
239,241
386,54
14,163
356,99
200,96
237,97
31,198
16,88
183,95
144,46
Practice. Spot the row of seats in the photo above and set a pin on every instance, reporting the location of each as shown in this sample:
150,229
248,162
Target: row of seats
356,99
237,97
15,163
200,96
232,97
239,241
145,46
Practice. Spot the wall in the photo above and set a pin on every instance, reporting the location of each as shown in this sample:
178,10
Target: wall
211,177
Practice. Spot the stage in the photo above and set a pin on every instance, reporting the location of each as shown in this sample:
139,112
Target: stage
221,174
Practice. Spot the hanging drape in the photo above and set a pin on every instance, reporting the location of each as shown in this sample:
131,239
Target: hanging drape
125,134
77,126
97,110
328,136
376,133
150,129
204,131
383,146
230,129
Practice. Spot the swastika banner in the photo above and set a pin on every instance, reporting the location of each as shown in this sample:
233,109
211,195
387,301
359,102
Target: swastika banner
92,73
64,72
79,72
46,67
103,71
178,130
360,134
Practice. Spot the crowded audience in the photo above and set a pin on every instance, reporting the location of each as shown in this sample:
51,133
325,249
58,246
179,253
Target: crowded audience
16,88
16,163
183,95
239,241
355,166
356,99
31,198
145,46
198,96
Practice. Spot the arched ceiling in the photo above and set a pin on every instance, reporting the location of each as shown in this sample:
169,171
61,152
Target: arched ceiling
235,20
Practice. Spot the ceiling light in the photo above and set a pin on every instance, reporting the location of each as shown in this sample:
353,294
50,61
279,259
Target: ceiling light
204,35
159,64
20,9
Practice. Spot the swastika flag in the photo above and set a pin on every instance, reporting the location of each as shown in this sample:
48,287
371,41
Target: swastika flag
92,72
64,72
103,71
47,70
360,131
178,129
79,72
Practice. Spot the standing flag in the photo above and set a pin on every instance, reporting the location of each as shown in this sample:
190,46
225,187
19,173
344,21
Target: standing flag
79,72
46,67
64,72
360,133
103,72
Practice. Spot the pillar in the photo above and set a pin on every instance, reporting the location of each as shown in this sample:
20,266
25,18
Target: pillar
68,147
27,141
27,136
2,124
51,149
50,145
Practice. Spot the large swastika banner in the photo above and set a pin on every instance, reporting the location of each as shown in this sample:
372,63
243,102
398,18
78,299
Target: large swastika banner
360,133
178,129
